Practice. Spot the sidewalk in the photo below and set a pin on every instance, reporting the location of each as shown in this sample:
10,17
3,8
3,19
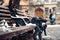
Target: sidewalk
53,32
56,21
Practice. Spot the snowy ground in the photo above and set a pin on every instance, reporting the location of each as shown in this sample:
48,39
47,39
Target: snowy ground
54,31
57,25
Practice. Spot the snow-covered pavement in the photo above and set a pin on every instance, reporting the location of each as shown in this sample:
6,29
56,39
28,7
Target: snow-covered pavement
53,31
57,25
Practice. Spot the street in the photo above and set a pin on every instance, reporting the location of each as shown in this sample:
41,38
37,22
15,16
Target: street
53,31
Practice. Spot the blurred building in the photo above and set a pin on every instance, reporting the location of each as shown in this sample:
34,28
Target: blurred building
31,5
5,2
58,7
45,5
24,5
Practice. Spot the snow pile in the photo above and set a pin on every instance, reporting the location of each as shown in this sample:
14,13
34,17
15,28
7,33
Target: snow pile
53,25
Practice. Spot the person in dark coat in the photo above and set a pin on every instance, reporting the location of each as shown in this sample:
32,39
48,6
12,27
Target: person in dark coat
52,17
38,31
39,28
44,25
38,20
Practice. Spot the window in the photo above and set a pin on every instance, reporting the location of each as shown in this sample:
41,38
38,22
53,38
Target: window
58,4
58,10
46,11
46,0
53,0
38,2
54,9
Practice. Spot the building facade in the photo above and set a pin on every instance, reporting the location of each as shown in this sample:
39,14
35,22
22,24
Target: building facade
32,5
45,5
50,4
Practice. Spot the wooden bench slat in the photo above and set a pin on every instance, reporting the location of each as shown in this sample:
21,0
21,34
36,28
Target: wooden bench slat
5,14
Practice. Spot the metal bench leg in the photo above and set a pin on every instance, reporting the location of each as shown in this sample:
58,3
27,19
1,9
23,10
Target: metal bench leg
19,37
14,38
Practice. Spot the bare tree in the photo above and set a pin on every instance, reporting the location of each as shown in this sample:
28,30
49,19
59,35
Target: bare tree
1,2
14,3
